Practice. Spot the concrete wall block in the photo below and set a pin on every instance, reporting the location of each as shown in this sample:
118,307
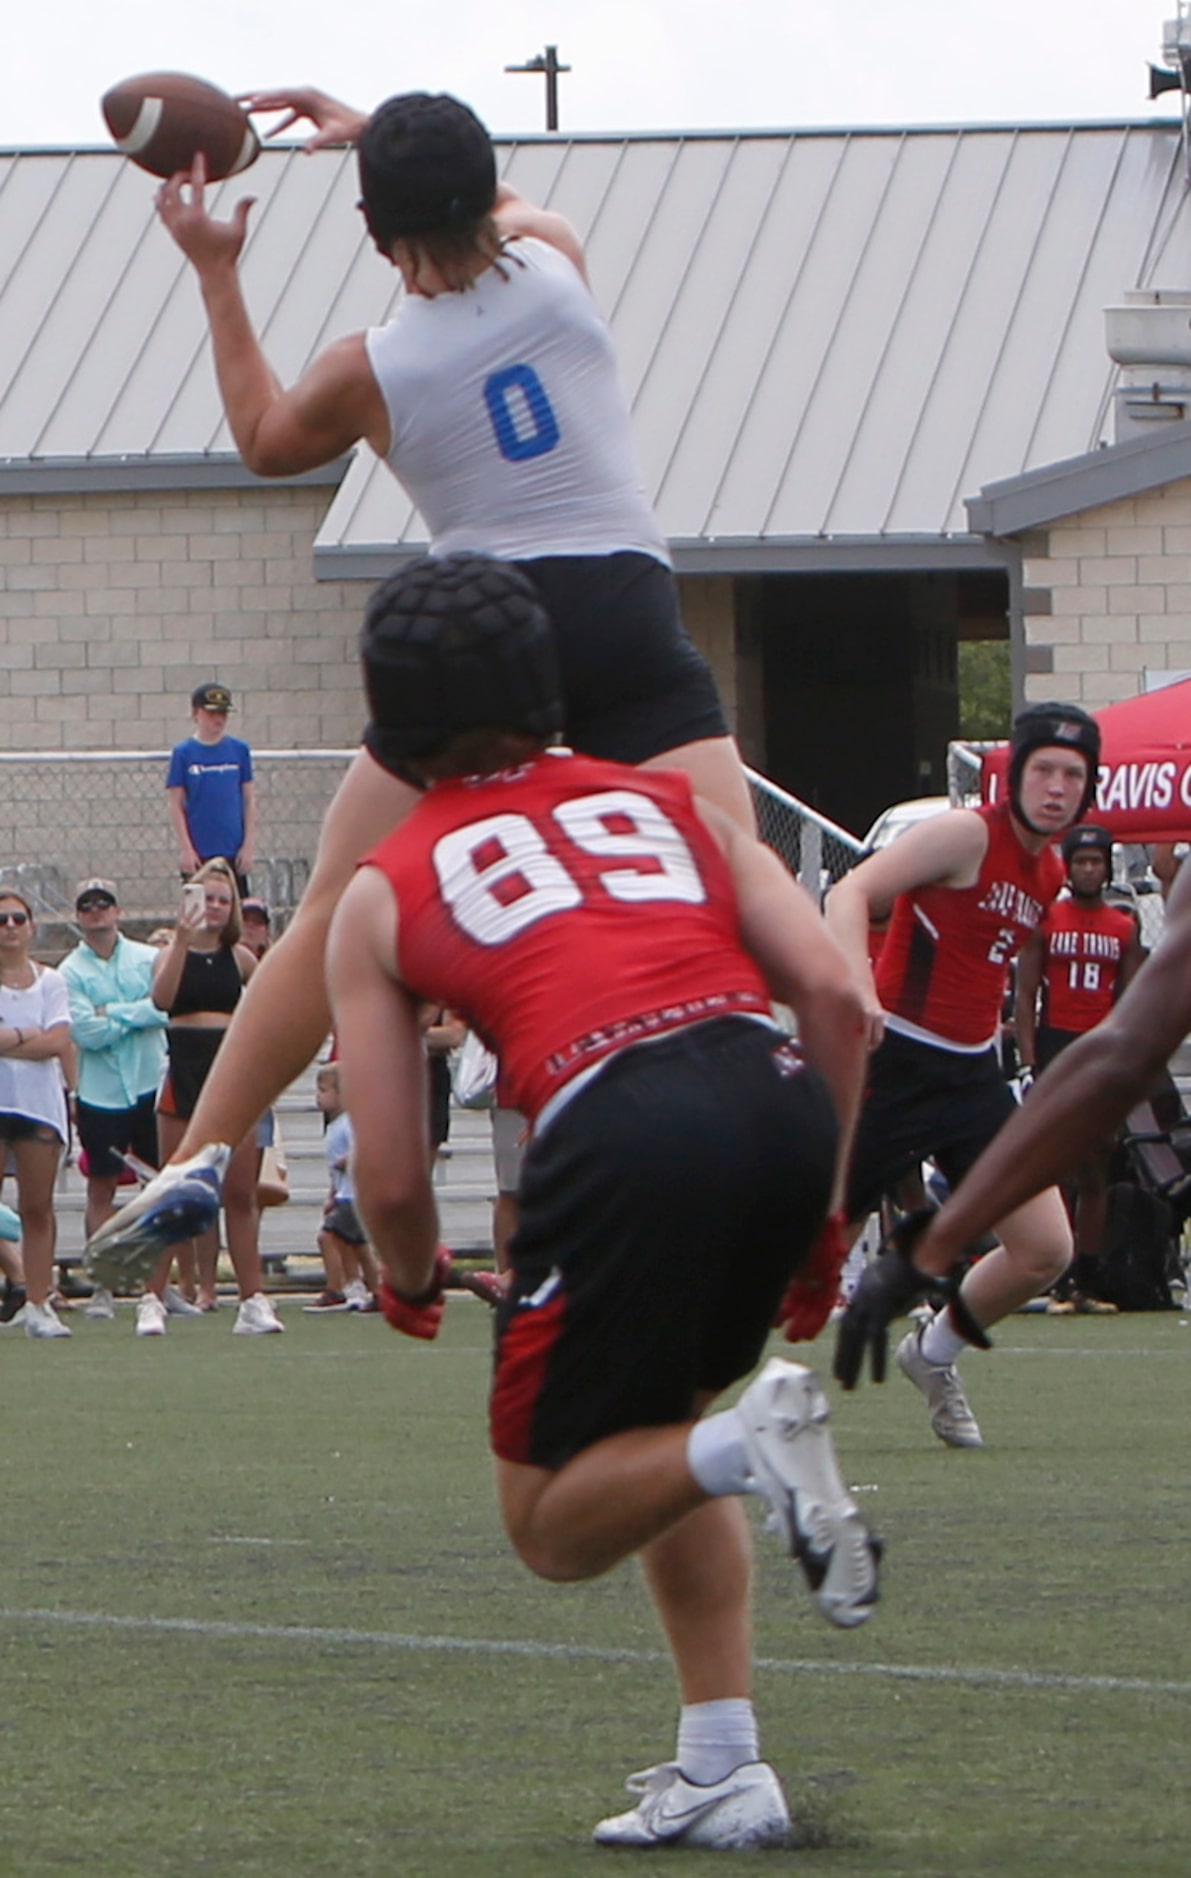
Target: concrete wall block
1122,514
1070,543
1081,658
32,684
172,547
16,552
1128,658
137,678
34,522
16,658
1061,572
112,602
17,605
1146,540
237,573
64,710
59,605
1118,570
178,574
1108,688
31,579
265,599
54,550
1164,569
1122,601
60,658
1078,600
116,653
92,631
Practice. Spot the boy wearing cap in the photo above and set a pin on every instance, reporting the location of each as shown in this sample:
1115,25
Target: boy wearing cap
210,790
120,1034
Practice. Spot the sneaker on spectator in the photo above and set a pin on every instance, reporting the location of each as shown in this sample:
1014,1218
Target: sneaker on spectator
101,1304
1060,1307
12,1305
327,1301
489,1286
746,1811
42,1320
1088,1306
256,1317
150,1316
357,1294
177,1304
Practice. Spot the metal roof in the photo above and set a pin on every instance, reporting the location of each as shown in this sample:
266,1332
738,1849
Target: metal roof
830,339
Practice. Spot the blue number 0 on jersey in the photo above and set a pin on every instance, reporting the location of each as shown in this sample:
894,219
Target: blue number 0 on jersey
522,415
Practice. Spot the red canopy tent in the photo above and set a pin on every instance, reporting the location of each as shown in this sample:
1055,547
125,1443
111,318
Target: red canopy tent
1144,789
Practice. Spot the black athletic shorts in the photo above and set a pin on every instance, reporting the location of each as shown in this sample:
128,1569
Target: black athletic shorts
922,1102
1050,1042
663,1212
192,1050
106,1133
633,685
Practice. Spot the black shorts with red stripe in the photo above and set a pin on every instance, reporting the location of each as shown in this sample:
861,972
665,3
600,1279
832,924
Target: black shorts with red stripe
663,1212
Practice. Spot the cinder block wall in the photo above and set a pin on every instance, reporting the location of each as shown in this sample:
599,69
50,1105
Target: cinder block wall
1108,595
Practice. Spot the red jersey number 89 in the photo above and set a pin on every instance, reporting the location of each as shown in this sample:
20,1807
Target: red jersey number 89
500,875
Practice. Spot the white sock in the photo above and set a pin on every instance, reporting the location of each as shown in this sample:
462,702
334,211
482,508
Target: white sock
715,1454
941,1342
715,1738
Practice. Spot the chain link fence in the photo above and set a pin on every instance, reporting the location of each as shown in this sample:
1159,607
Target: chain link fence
77,813
73,814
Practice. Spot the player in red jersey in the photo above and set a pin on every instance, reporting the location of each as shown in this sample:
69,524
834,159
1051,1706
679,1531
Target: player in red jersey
966,890
617,944
1070,973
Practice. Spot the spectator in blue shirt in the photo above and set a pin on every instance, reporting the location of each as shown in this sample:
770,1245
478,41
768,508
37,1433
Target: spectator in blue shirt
210,790
120,1035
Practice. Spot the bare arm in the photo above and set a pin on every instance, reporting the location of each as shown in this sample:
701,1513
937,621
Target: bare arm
382,1066
1030,961
1082,1098
171,960
247,854
804,968
945,851
334,404
36,1046
516,216
187,858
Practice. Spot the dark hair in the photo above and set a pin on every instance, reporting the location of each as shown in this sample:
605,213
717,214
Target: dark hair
426,166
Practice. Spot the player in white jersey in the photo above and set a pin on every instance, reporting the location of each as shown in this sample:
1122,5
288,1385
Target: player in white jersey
494,396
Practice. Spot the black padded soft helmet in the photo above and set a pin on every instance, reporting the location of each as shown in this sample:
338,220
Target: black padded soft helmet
454,645
426,164
1047,726
1087,838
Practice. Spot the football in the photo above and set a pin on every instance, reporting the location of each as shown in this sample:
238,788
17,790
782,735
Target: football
163,119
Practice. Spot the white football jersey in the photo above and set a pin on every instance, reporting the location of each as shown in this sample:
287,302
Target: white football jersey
510,427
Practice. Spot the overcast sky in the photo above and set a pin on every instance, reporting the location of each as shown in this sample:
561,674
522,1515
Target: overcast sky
637,64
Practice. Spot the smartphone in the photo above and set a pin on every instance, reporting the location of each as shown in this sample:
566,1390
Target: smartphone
194,897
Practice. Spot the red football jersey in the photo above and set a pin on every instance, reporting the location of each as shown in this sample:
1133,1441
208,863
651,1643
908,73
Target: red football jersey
1084,949
944,965
566,909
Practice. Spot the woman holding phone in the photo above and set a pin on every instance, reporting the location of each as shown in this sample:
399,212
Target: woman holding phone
199,980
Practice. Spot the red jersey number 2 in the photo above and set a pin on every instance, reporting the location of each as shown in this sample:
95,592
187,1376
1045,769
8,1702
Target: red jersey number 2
500,875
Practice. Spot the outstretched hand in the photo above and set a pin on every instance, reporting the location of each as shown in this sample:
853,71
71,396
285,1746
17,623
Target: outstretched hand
208,243
334,123
890,1287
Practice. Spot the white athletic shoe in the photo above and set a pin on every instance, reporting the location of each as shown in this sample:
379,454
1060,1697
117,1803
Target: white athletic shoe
101,1304
792,1461
181,1202
950,1416
744,1812
150,1316
42,1320
256,1318
177,1304
357,1294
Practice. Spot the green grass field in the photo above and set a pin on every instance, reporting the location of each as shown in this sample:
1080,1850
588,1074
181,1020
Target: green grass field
259,1617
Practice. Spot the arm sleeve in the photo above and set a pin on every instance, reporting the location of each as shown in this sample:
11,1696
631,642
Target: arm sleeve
176,774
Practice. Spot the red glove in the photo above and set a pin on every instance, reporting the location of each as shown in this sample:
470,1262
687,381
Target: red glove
421,1316
811,1295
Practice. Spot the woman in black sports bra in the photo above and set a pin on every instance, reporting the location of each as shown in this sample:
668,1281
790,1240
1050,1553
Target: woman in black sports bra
199,980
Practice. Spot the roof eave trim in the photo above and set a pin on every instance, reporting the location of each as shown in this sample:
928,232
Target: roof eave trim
57,476
839,554
1083,482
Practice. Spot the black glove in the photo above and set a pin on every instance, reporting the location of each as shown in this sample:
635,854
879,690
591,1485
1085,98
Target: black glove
890,1287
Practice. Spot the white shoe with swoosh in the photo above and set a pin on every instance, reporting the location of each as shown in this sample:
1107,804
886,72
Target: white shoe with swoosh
746,1811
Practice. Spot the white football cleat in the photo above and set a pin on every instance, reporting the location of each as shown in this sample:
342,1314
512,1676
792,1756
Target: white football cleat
744,1812
792,1462
950,1416
181,1202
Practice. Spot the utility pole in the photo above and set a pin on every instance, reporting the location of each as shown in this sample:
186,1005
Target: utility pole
546,62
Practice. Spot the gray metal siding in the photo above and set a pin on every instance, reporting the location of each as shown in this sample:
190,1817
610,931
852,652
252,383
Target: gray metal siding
824,336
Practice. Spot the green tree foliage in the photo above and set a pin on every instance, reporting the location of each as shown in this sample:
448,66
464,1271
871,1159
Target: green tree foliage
985,689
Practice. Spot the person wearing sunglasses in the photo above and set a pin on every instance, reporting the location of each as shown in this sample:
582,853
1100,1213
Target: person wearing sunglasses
34,1041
